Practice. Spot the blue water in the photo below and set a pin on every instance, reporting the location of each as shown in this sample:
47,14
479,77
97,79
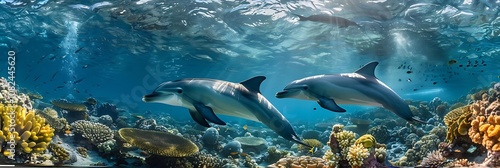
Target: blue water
121,50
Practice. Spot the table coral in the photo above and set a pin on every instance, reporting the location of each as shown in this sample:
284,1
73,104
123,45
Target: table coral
28,131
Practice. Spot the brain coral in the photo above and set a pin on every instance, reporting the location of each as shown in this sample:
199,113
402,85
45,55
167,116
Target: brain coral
28,131
457,122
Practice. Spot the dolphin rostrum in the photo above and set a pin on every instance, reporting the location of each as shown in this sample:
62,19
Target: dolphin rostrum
360,87
205,97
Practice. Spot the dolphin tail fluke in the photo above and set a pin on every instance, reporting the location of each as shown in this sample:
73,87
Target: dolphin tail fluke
301,18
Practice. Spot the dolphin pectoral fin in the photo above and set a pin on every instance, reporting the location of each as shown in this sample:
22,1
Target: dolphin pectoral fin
208,113
329,104
198,118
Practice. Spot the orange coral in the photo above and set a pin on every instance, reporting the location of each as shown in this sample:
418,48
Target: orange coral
485,126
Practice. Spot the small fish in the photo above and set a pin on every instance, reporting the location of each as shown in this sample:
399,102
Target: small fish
409,80
78,81
54,75
434,83
314,108
52,58
234,153
399,79
37,78
42,58
60,87
409,72
313,150
78,50
475,66
460,65
68,132
415,89
452,61
468,65
484,64
85,66
245,127
76,90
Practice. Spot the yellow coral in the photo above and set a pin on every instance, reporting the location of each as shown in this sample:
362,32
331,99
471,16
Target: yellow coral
485,127
367,140
458,122
357,154
28,132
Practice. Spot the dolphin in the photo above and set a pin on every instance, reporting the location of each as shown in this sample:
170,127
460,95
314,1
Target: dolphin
206,97
335,20
360,87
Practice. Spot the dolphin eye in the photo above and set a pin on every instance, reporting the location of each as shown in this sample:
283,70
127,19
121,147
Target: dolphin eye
179,90
305,87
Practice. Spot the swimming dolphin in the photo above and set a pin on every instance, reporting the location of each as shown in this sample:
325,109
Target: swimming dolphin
360,87
329,19
205,97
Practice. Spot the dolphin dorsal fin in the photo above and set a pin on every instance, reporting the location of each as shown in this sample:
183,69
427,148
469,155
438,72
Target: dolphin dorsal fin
253,84
368,69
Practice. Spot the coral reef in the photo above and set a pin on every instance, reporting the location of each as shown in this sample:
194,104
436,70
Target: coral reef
71,111
211,137
457,122
199,160
356,155
232,148
380,132
82,151
60,154
106,120
273,154
302,161
159,143
433,159
17,98
95,132
422,147
485,127
252,144
51,117
311,142
108,109
24,129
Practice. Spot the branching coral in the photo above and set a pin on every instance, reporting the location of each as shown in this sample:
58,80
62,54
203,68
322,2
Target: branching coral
59,152
95,132
357,154
24,130
433,159
302,161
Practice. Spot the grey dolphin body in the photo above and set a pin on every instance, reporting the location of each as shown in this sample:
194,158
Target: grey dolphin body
205,97
360,87
335,20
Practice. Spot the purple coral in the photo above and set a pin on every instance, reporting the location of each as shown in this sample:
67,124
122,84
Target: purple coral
433,159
